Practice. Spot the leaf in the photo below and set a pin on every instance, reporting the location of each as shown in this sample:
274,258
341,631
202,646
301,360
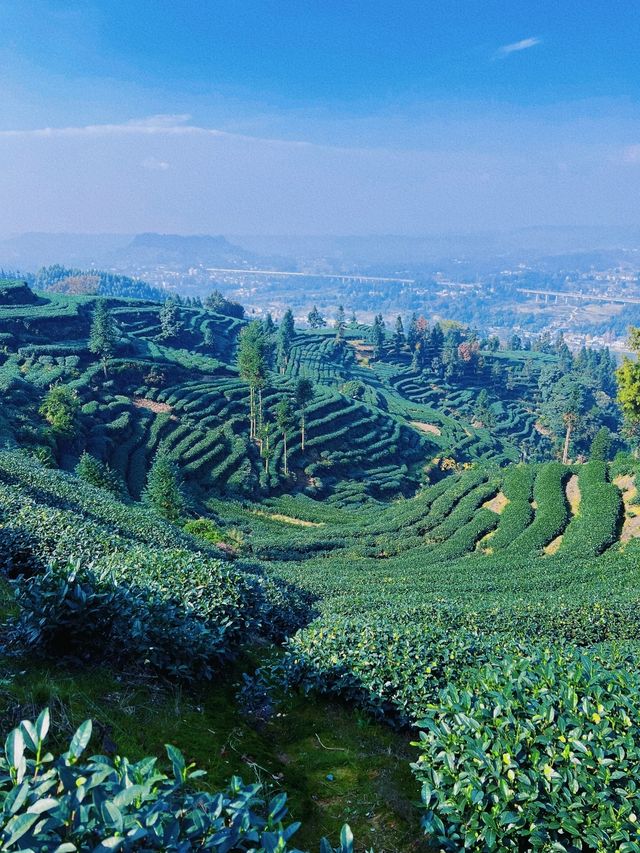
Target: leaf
30,735
129,795
346,839
42,724
43,805
17,827
14,748
112,843
80,739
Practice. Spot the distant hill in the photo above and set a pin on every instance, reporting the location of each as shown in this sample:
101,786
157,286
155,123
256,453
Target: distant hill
59,279
180,252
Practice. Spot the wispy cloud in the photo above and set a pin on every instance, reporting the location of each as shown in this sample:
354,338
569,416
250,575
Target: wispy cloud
517,46
158,125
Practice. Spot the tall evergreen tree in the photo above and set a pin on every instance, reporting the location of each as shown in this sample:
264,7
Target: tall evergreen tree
412,333
170,323
253,357
98,473
398,335
315,319
285,419
268,325
377,336
303,394
103,336
164,490
340,324
286,334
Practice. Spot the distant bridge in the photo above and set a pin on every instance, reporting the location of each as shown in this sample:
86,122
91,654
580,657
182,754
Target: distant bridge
334,276
565,296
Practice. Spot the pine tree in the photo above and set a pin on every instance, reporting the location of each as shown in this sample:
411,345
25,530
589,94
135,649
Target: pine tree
253,355
376,336
170,323
398,335
412,334
104,334
99,474
303,395
601,445
340,323
268,325
164,491
286,334
285,419
315,319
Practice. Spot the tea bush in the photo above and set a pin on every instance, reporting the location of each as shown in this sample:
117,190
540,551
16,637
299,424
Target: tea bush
69,803
537,750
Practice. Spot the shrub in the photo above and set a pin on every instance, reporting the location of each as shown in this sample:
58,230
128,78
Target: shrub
97,473
538,750
68,803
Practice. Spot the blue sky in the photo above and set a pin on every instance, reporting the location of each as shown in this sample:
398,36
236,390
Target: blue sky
318,117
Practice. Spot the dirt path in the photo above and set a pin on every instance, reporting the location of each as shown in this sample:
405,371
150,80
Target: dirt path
287,519
152,405
572,491
423,427
363,352
497,504
631,526
573,494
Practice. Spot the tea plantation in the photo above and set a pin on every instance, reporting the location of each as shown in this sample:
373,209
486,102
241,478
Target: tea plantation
395,578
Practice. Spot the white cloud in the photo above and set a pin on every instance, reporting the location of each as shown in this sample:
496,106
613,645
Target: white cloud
158,125
516,46
155,165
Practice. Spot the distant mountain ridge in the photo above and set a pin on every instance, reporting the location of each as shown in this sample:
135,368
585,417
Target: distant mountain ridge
180,251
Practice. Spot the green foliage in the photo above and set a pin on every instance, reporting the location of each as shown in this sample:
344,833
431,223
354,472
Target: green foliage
286,334
551,514
170,322
97,473
60,409
601,446
533,750
204,528
315,319
104,333
164,491
218,303
71,802
596,525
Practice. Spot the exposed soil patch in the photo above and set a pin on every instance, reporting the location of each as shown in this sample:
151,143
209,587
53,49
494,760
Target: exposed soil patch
554,545
497,504
573,494
483,545
152,405
363,352
430,428
543,430
287,519
631,527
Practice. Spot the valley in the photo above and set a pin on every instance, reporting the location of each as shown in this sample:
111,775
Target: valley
307,549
